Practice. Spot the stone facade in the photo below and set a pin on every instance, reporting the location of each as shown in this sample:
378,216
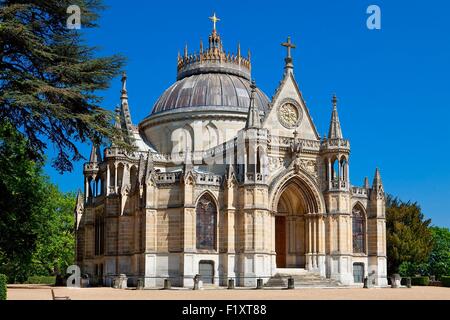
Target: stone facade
226,183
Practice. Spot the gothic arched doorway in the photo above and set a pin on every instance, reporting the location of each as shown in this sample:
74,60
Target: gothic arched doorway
291,232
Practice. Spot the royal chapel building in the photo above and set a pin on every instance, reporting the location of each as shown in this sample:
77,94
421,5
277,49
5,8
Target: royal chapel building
225,183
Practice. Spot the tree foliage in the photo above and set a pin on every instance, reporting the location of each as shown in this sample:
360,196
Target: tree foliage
36,220
408,237
22,191
49,78
439,262
55,247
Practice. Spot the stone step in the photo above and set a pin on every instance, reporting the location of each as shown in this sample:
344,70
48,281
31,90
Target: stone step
302,279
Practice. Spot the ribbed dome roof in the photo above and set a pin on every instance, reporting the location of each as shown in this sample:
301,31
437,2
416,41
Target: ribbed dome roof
209,90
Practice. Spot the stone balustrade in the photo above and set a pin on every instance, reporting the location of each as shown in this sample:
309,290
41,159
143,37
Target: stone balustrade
358,191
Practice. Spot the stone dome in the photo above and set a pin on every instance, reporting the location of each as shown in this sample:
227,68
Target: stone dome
206,90
210,98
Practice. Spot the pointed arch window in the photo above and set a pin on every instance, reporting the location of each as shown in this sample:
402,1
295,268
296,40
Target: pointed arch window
359,230
206,219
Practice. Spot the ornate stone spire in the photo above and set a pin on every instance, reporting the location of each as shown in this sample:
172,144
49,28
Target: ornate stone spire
377,180
79,201
124,92
79,207
288,60
335,131
377,192
117,118
124,113
253,119
96,156
366,183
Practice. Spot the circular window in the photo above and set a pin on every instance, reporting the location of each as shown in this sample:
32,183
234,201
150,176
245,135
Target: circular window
289,115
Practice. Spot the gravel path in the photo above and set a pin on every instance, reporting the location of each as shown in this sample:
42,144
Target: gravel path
35,292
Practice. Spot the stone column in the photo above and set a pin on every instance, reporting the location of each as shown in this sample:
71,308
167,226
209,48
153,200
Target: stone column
309,265
348,175
339,169
86,189
321,249
329,173
115,178
314,242
108,178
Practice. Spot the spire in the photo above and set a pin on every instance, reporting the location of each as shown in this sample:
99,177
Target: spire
95,155
124,109
288,60
253,120
366,183
124,95
117,118
335,131
79,206
79,200
377,180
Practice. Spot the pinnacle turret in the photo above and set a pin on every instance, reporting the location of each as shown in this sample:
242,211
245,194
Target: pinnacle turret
253,119
377,179
95,156
366,183
335,131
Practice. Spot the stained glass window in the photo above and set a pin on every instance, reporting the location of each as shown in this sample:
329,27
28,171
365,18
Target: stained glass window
206,214
358,230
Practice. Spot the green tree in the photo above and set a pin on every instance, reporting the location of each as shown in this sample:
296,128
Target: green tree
439,262
49,78
409,239
55,246
36,219
22,195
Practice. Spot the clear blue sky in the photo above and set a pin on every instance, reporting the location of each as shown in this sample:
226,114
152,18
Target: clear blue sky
392,84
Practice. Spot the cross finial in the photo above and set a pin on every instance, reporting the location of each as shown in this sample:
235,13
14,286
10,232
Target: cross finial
334,100
214,19
289,45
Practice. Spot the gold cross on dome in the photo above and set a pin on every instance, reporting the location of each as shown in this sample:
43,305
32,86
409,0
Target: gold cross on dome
289,45
214,19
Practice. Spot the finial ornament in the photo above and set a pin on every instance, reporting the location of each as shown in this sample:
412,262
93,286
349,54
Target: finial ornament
334,100
214,19
335,131
289,45
124,85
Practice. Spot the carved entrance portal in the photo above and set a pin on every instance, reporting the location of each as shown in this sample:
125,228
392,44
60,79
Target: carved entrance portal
290,225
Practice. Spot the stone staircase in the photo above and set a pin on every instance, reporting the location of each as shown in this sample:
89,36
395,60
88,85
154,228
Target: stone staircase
302,279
